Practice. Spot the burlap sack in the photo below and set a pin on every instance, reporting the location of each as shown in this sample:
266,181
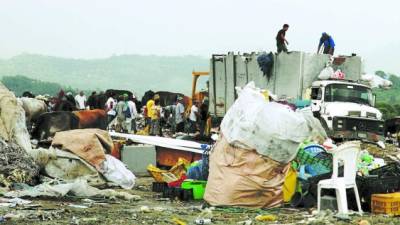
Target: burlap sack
244,178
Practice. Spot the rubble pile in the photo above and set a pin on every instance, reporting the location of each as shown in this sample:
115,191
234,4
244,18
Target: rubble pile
16,166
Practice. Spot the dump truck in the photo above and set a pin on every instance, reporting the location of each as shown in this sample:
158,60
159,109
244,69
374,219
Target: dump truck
345,107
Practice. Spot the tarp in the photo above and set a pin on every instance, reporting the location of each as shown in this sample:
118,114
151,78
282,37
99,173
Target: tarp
89,144
183,145
244,178
66,166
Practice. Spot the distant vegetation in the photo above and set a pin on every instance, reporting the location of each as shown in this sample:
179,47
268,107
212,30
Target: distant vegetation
388,101
20,84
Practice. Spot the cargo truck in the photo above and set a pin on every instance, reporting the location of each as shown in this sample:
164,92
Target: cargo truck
344,107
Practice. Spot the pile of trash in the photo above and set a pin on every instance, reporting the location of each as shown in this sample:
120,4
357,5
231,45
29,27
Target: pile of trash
77,161
16,166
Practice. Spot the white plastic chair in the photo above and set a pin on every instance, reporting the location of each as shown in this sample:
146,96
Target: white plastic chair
348,154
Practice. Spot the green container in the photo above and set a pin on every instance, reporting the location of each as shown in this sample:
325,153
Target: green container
198,187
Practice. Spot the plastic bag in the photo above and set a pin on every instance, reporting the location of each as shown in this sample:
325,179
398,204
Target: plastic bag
376,81
115,171
338,75
326,73
268,127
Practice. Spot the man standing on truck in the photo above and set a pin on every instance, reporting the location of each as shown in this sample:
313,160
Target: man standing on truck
281,41
329,44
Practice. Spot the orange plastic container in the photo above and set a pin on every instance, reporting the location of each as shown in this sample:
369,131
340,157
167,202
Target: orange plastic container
386,204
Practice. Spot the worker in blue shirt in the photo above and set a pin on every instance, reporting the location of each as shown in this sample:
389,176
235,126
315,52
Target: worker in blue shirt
329,44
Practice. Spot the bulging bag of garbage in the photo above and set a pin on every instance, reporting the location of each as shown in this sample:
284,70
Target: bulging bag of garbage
116,172
326,73
272,129
376,81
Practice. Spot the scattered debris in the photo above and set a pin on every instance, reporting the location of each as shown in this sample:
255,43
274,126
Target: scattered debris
78,206
263,218
78,188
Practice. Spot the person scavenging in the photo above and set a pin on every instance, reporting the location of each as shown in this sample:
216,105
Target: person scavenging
329,44
155,113
281,42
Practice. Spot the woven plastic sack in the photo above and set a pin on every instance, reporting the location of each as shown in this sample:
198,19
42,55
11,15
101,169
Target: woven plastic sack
273,129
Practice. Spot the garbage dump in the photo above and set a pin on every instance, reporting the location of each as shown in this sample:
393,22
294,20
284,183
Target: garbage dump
268,154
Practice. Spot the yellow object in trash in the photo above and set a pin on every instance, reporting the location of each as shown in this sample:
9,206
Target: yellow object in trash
265,218
178,221
144,132
265,93
289,186
177,171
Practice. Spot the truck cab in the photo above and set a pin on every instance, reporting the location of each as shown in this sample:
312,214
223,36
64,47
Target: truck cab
346,110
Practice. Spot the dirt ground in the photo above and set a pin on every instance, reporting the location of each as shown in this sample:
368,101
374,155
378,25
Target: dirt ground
152,209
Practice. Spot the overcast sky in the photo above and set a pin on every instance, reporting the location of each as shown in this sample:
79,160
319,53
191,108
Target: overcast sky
100,28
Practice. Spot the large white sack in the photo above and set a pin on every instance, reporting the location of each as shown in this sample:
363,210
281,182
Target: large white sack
271,128
326,73
12,120
116,172
376,81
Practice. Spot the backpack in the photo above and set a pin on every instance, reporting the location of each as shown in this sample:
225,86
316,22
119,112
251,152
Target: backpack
127,111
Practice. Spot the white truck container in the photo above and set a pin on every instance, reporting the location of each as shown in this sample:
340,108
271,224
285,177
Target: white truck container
344,107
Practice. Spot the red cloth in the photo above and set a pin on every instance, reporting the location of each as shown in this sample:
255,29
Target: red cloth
177,183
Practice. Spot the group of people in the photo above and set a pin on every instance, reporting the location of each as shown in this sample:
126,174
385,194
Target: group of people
122,109
67,102
326,41
179,119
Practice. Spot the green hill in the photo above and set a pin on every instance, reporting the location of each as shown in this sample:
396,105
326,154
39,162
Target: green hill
133,72
388,101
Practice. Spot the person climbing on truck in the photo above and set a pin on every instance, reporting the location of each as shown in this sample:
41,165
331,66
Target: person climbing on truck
281,41
329,44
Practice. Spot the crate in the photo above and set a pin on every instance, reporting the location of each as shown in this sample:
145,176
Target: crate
390,170
388,204
375,184
159,186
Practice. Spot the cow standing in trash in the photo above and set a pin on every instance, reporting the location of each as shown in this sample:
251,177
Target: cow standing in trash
50,123
33,109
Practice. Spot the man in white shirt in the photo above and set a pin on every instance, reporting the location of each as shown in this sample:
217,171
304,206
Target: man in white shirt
110,108
193,117
80,101
132,108
179,113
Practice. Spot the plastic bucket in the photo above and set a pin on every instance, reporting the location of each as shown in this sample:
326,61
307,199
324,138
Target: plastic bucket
198,188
